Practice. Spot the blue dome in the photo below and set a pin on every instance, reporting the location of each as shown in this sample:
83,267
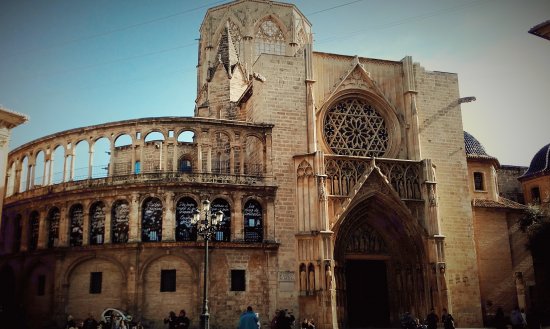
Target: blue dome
474,149
540,162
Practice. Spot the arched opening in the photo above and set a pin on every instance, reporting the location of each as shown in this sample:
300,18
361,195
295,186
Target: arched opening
24,179
39,169
54,216
253,222
380,262
120,215
81,160
76,217
185,165
254,155
224,231
154,144
185,208
58,165
101,158
151,220
220,154
34,226
122,155
97,223
186,137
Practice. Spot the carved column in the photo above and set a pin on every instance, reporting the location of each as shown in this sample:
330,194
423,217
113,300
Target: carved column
237,218
85,223
134,220
168,218
108,220
42,230
64,226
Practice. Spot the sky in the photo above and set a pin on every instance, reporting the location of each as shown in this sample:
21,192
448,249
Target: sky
69,64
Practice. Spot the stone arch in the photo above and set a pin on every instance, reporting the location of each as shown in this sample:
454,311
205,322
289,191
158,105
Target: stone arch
76,224
254,155
221,150
185,207
186,290
152,209
226,206
393,123
254,219
120,220
58,164
378,236
24,181
120,139
97,215
39,168
183,135
270,36
76,280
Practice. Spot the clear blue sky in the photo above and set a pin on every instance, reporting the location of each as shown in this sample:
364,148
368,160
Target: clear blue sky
68,63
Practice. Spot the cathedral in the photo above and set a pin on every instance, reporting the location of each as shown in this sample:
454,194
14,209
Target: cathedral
346,190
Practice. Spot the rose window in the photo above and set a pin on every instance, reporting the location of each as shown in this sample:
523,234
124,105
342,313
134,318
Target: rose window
354,127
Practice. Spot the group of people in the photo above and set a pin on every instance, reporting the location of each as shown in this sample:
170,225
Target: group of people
283,319
431,321
518,319
177,322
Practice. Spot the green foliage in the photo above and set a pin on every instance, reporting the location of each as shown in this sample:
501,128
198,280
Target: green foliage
536,223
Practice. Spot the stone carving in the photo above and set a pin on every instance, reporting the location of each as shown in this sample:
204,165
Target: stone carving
366,241
354,127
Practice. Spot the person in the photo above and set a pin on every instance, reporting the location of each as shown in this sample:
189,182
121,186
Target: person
273,324
524,317
310,324
500,320
432,319
182,321
71,324
516,319
447,319
249,320
90,322
305,324
171,320
407,321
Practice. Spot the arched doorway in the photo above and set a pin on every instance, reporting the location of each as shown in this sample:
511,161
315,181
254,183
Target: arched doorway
381,265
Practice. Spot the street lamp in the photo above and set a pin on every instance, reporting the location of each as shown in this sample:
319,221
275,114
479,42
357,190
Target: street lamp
206,227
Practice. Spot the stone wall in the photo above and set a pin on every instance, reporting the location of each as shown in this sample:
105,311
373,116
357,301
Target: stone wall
442,140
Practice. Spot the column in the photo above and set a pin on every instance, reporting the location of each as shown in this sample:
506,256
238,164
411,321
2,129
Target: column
237,220
24,245
64,226
90,161
268,154
168,218
134,222
108,221
111,162
85,223
269,221
42,230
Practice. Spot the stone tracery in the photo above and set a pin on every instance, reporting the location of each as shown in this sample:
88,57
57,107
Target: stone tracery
354,127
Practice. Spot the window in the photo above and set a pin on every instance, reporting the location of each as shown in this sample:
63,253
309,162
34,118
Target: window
478,181
95,282
184,165
238,282
41,286
167,280
535,195
151,220
253,222
137,168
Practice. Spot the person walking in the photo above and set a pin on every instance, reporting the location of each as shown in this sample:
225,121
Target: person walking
447,319
249,320
516,319
432,319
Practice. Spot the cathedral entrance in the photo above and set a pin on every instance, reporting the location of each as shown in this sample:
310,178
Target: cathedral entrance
367,294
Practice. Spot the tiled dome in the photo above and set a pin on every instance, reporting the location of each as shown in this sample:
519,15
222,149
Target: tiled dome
540,162
474,149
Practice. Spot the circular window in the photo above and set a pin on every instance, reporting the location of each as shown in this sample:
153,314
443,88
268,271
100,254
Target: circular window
353,127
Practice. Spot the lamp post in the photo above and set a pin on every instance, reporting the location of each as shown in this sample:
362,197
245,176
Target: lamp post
206,227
